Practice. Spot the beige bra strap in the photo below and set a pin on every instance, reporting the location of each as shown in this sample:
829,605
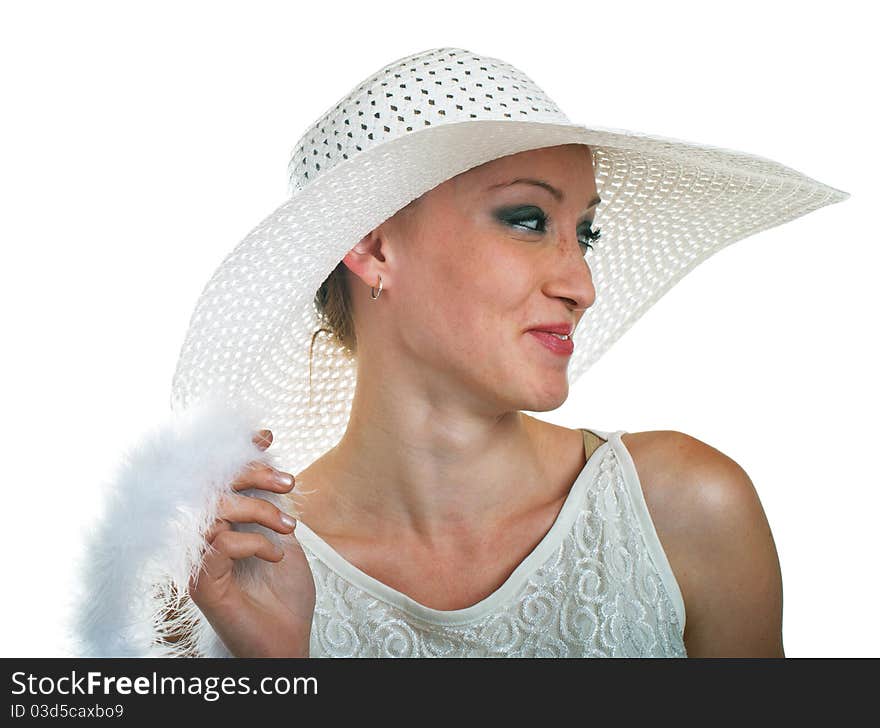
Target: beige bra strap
591,442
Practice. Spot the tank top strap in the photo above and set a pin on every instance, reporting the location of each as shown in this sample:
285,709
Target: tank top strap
592,441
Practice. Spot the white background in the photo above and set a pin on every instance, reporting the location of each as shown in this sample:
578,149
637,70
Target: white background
141,141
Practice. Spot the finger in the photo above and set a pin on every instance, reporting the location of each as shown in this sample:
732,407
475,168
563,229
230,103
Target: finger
219,560
219,525
233,545
263,439
265,477
251,509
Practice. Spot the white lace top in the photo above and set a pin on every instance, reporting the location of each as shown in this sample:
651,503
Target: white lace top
597,585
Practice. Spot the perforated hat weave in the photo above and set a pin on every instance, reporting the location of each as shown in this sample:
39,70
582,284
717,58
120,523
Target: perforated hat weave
667,205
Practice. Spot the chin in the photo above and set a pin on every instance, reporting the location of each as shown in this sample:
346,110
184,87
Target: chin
546,401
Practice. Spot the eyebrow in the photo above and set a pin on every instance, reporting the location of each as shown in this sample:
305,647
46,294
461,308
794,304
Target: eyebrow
558,194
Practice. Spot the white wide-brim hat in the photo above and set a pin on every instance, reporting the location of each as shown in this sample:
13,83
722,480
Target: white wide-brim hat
667,205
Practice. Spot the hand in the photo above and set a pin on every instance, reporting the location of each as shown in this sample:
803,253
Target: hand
271,616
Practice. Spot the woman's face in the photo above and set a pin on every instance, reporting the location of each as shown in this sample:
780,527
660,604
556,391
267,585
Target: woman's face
480,260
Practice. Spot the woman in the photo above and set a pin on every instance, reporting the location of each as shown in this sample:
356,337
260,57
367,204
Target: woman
445,521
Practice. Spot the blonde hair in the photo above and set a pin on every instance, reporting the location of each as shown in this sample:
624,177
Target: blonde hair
333,304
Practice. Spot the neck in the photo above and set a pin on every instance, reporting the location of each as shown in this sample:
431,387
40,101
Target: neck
425,468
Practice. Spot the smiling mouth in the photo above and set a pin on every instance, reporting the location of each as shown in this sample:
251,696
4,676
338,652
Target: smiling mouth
557,343
563,337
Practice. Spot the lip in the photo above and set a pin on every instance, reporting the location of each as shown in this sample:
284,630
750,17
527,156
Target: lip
557,346
562,327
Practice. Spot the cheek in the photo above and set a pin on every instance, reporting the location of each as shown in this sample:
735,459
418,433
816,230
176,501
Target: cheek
479,294
502,277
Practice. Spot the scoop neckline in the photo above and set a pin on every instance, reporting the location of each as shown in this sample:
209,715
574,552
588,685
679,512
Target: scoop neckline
533,560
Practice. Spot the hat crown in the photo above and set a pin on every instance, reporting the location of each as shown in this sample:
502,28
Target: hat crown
430,88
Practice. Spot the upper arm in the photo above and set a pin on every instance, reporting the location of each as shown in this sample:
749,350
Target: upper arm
714,530
736,581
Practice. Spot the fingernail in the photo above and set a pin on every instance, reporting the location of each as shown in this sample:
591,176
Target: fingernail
283,478
288,520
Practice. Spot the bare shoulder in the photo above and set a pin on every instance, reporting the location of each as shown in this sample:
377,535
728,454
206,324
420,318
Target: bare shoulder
715,533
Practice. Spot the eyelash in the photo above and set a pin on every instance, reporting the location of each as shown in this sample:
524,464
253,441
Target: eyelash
593,235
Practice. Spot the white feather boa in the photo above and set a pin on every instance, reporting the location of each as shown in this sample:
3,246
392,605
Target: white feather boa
134,576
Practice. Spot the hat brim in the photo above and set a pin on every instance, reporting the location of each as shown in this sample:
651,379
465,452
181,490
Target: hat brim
667,205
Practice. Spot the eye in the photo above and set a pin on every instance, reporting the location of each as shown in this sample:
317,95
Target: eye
592,237
535,220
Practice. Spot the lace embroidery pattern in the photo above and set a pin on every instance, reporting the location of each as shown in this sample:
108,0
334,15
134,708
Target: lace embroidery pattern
597,595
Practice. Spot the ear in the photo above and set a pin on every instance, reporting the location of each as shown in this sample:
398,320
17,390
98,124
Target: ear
367,261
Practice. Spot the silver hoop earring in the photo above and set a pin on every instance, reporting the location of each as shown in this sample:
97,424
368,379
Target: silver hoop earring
379,292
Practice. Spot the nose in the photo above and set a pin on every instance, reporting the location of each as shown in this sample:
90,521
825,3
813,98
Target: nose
570,276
